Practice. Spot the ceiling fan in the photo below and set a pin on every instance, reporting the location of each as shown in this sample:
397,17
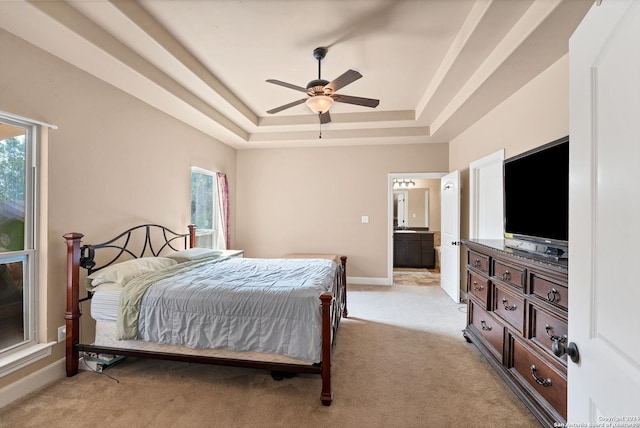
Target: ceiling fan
321,94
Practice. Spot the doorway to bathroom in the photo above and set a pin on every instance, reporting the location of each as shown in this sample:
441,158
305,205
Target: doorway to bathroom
414,217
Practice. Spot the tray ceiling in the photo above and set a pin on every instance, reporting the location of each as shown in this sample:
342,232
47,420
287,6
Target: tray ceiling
437,66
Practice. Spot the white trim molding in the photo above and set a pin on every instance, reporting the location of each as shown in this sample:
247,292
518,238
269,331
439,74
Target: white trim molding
17,360
10,116
476,198
32,383
369,281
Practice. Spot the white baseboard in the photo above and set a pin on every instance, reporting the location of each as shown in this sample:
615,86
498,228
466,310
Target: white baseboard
33,382
369,281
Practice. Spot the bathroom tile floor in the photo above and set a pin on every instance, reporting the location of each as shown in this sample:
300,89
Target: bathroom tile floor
412,276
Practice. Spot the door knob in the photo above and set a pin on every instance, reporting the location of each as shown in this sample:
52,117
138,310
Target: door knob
559,350
456,243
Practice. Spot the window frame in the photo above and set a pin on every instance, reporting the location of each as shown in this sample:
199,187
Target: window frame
35,346
213,232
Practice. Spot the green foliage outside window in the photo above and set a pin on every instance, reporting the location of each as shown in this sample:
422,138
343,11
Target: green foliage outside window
202,200
12,191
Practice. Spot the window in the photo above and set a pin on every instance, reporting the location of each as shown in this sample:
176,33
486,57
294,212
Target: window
203,206
23,231
18,193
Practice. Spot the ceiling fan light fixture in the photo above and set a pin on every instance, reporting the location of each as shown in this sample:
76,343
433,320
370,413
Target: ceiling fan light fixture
319,103
321,93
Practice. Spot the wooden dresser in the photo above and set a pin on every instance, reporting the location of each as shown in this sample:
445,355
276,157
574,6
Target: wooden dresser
516,316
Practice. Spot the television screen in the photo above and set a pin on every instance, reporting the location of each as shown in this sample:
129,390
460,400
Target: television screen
536,194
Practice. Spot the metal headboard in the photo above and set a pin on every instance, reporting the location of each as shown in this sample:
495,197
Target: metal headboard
153,244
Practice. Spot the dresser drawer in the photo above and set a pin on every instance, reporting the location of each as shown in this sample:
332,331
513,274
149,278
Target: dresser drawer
549,290
538,375
478,286
546,327
478,261
489,327
508,305
509,273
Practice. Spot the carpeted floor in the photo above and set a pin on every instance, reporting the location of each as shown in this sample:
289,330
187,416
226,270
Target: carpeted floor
400,361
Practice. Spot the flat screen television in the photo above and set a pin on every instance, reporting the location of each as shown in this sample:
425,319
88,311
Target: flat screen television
536,199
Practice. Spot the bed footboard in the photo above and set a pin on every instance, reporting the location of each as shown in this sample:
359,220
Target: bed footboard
343,261
326,396
334,307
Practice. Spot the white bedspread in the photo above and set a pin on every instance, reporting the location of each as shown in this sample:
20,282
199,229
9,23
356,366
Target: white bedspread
241,304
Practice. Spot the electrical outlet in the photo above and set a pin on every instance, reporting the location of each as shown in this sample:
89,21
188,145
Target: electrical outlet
62,333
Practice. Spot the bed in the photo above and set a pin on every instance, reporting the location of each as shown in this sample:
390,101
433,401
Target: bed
154,294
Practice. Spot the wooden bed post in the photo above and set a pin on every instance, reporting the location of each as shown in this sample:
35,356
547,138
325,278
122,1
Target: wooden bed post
72,315
327,394
192,235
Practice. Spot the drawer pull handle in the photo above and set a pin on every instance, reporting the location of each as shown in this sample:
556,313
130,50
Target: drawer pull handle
551,295
485,327
544,382
506,275
476,263
476,287
508,307
552,337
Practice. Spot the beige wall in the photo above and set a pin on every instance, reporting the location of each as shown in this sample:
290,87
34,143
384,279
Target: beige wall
311,200
537,114
114,161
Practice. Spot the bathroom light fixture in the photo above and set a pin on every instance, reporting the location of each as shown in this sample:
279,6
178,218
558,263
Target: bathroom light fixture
403,184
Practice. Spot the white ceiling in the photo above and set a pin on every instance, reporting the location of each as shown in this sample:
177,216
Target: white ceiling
436,66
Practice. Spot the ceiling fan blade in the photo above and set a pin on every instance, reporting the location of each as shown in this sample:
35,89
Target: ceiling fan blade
359,101
343,80
287,85
286,106
325,117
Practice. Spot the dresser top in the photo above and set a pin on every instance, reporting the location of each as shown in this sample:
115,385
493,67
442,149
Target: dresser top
499,245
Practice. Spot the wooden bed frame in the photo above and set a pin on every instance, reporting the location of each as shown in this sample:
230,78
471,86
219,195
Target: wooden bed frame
333,306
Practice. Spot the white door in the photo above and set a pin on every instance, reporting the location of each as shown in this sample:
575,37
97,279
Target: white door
486,197
604,216
450,235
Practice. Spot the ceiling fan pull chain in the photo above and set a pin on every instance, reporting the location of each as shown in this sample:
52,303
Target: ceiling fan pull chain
320,121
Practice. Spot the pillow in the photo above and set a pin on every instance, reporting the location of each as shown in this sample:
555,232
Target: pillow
121,273
193,254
